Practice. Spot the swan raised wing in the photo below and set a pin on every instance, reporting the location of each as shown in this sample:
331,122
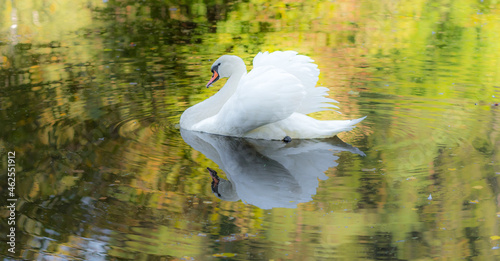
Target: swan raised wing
303,68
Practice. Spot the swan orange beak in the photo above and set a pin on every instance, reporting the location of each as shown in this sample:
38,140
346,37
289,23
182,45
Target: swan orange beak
215,77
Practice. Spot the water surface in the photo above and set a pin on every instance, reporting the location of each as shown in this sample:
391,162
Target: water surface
92,93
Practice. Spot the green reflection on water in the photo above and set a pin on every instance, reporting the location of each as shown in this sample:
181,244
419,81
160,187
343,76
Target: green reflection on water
91,92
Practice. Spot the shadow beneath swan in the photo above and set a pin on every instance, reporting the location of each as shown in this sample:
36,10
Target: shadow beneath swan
264,173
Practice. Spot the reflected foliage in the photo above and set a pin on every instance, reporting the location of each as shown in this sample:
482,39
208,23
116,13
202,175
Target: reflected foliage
91,93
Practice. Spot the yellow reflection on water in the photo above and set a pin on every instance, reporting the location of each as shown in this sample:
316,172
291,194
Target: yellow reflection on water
92,92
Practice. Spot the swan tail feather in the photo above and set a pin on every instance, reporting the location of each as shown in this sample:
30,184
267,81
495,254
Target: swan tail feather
337,126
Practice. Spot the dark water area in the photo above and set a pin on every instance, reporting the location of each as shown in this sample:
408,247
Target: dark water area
91,94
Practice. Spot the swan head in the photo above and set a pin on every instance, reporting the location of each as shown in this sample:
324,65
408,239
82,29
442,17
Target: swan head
224,67
222,188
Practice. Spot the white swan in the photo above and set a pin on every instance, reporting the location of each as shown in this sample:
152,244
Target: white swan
270,102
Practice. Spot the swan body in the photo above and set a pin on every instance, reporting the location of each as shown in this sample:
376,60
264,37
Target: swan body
270,102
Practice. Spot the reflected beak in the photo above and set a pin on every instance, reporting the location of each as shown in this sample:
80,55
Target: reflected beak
213,174
215,181
215,77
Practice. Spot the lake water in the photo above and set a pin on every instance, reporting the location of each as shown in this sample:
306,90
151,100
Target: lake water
91,93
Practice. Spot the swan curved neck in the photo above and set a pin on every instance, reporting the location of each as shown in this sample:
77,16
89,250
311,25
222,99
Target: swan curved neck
212,105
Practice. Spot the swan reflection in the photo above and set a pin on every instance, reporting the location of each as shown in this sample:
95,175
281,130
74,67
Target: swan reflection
265,173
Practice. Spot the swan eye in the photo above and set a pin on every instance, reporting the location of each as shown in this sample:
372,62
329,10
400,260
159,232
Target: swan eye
215,67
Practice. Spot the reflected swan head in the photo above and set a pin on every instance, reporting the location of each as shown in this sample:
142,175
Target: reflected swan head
222,188
224,67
